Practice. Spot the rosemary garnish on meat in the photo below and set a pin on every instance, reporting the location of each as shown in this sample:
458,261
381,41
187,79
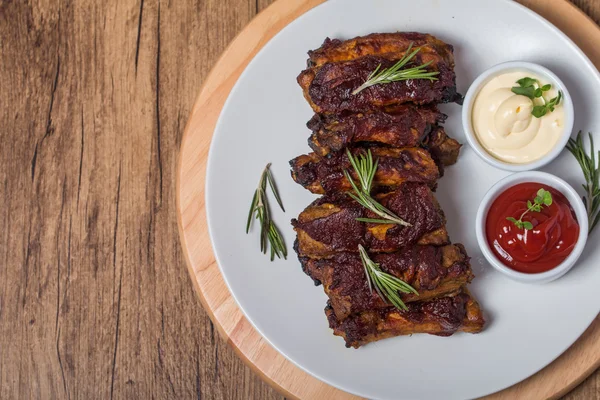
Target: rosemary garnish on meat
365,169
395,73
260,206
591,173
386,285
542,198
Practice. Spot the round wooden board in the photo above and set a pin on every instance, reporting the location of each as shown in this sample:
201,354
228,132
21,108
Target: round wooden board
558,378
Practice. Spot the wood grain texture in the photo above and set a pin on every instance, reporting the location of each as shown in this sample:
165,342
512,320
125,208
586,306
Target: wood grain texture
95,298
553,381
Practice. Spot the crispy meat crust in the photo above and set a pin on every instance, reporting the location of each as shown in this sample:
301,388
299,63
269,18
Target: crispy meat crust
442,316
432,271
395,166
329,225
335,50
443,148
404,125
339,67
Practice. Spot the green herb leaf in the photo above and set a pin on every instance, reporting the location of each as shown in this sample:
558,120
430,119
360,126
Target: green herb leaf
529,87
547,198
527,82
527,225
539,111
524,91
555,101
543,197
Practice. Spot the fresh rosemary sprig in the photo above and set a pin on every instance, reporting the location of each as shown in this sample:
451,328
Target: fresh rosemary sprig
386,285
395,73
542,198
260,206
365,169
591,173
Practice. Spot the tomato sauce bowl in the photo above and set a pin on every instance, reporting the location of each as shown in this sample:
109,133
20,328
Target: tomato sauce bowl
490,212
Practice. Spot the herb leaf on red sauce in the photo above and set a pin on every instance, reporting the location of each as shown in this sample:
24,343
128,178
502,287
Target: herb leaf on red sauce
542,198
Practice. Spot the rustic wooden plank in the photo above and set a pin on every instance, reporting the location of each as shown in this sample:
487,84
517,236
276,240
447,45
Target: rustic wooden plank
262,4
95,300
590,7
588,389
556,379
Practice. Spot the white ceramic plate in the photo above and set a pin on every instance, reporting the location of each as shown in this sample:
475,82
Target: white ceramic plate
264,121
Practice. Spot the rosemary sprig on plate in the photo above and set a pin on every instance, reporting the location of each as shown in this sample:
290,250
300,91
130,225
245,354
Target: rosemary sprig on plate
365,169
395,73
591,173
269,234
386,285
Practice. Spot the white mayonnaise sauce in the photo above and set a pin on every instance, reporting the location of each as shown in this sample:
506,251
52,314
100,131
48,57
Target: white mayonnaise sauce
504,125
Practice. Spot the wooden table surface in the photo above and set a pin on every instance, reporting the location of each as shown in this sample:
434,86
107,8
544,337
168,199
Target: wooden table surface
95,298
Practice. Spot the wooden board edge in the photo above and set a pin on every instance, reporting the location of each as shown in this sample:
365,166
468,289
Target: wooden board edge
271,20
250,346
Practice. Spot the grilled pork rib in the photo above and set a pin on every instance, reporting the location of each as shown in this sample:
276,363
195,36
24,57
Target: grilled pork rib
329,224
442,316
405,125
335,50
337,68
395,166
444,150
432,271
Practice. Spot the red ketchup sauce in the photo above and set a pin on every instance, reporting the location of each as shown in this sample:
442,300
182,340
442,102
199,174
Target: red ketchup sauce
553,237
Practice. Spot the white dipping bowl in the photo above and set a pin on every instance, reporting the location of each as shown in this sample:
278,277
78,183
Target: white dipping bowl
537,177
512,66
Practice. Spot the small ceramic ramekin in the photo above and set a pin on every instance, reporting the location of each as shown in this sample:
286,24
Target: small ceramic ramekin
484,78
537,177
